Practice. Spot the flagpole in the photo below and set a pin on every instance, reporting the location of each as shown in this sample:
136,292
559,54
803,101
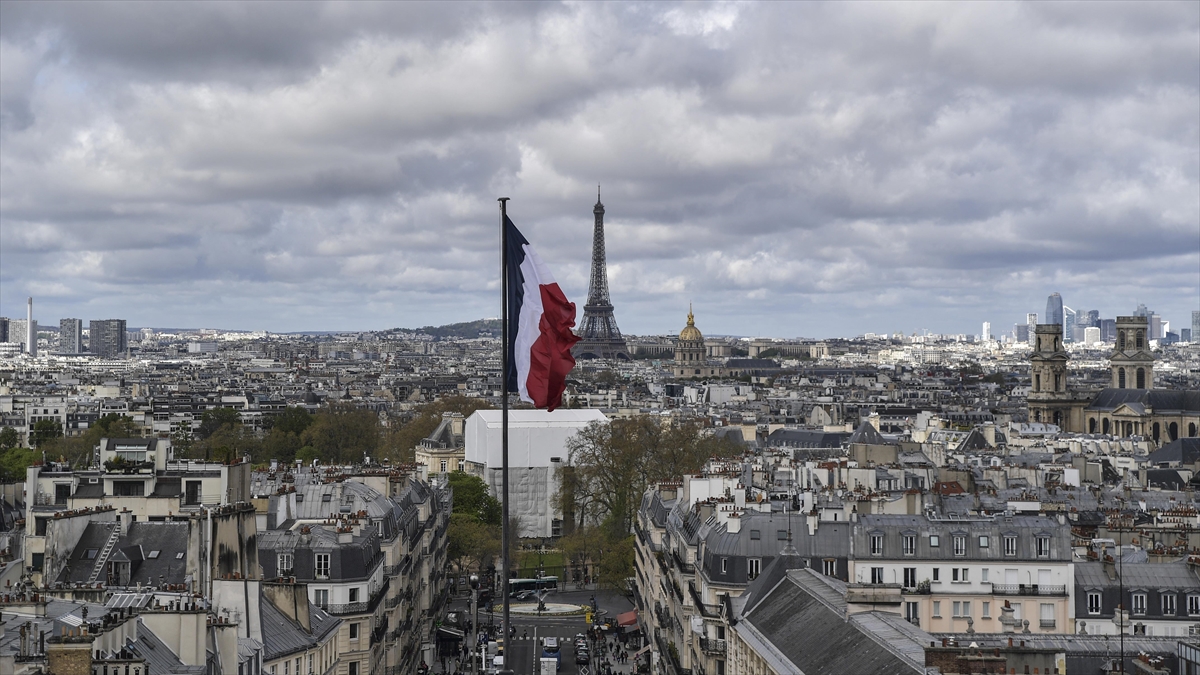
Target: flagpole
504,533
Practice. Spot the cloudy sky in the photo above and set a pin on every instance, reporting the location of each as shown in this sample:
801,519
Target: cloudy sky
791,169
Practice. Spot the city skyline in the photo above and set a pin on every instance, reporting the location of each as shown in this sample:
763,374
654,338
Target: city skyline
327,167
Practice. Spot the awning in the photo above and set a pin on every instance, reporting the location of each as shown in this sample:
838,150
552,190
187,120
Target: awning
641,651
627,619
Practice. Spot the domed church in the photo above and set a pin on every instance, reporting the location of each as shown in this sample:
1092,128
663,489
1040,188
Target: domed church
691,356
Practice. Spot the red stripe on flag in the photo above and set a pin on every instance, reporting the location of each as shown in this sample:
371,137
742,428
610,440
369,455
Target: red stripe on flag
550,358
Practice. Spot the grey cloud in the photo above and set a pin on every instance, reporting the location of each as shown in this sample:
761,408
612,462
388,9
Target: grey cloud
928,165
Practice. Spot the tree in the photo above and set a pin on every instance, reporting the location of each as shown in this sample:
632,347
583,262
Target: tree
292,420
215,419
13,462
9,438
43,431
343,434
470,543
614,462
471,498
307,454
402,439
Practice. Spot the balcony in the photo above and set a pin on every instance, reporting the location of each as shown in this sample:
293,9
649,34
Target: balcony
1035,589
360,607
1046,623
712,646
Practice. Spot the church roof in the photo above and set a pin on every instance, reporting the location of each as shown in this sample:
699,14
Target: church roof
1159,400
690,333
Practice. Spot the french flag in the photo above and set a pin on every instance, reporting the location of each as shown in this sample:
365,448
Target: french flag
539,325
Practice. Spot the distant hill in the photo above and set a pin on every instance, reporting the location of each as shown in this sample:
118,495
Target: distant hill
469,329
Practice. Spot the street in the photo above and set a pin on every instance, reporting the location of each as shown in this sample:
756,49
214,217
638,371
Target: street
526,647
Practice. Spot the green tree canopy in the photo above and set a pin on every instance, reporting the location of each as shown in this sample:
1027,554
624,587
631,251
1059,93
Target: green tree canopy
406,436
471,498
9,438
292,420
612,464
343,433
43,431
216,419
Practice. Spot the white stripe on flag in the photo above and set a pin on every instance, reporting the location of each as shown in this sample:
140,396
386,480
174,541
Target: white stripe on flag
536,275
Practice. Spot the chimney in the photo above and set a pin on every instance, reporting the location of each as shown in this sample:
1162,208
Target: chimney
989,433
126,517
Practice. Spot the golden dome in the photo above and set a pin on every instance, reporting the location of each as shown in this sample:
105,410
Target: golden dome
690,333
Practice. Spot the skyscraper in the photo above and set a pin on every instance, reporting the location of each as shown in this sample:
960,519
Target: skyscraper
599,337
1108,330
987,331
70,336
1054,309
1030,326
1020,332
3,329
1195,324
31,330
1070,317
107,338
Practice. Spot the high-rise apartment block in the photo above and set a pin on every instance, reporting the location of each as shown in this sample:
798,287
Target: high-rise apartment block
1020,332
987,331
108,339
1031,320
1195,324
4,329
1091,336
70,336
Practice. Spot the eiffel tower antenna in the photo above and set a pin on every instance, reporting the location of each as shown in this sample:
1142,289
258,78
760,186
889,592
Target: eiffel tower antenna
599,336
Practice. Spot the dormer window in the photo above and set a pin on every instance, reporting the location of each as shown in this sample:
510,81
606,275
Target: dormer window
877,544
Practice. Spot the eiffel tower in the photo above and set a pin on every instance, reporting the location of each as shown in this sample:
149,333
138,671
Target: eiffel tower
599,336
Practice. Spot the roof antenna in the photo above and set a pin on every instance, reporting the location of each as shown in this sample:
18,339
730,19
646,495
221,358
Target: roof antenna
789,549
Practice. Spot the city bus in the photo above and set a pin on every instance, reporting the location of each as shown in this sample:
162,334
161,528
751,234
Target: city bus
544,584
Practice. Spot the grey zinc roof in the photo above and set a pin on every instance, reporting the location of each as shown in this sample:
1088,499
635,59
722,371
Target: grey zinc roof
867,434
286,636
817,640
160,660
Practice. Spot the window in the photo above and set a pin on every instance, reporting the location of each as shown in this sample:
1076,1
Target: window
829,567
960,544
755,534
910,544
153,555
984,575
937,573
781,535
877,575
322,565
965,576
987,610
877,544
1193,605
937,609
910,577
1139,604
310,663
354,631
962,609
1046,618
983,541
953,574
912,612
284,564
1168,604
353,595
287,667
445,465
1043,547
724,565
179,555
1094,603
353,668
934,540
753,567
1010,544
321,598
